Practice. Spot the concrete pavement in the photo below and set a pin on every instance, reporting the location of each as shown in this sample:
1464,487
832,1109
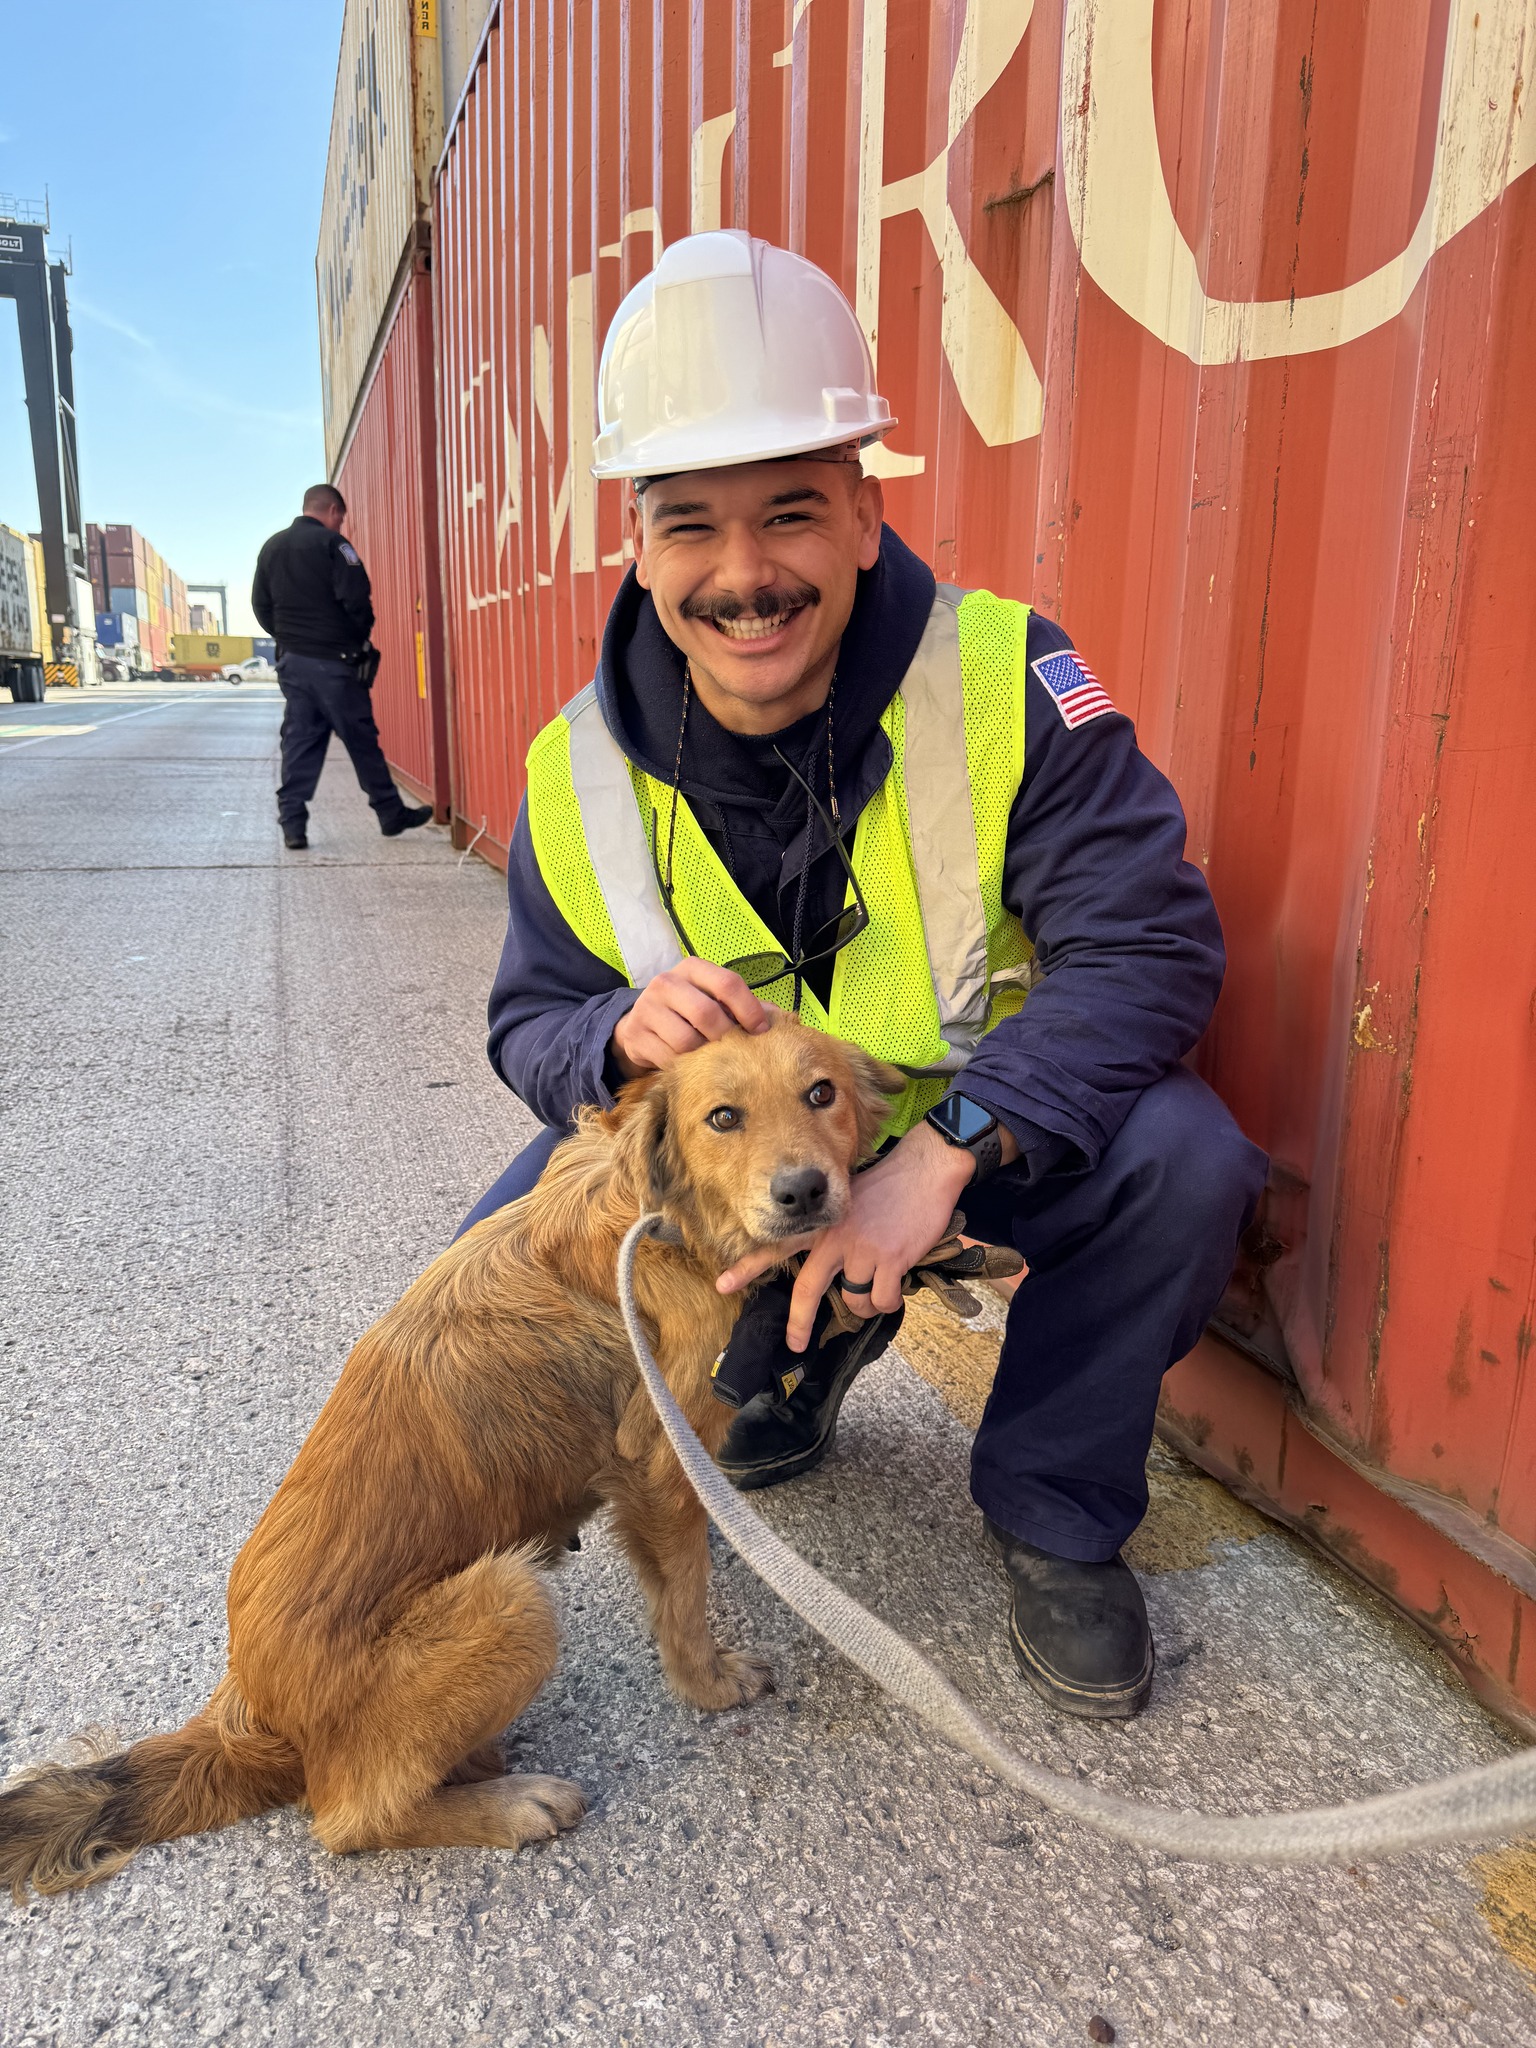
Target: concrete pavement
245,1100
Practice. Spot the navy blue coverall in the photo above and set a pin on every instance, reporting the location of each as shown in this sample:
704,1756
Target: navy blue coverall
1133,1183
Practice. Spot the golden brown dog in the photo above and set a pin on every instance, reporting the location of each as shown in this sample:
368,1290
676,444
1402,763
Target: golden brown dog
387,1618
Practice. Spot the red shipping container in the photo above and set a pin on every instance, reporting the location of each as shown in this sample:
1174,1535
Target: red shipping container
388,476
1208,330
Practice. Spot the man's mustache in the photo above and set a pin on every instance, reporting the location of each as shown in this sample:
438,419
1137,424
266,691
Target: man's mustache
765,604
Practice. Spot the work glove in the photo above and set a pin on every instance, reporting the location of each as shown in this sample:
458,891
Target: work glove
757,1356
942,1271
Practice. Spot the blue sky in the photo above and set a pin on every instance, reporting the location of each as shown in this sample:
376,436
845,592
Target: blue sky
183,149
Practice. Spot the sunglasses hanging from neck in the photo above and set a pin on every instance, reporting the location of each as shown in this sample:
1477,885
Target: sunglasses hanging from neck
758,970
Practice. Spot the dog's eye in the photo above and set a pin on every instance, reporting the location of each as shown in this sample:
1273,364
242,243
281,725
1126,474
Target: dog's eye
822,1095
724,1119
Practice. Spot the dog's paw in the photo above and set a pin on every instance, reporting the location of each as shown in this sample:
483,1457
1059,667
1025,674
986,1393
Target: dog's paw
540,1807
735,1679
753,1675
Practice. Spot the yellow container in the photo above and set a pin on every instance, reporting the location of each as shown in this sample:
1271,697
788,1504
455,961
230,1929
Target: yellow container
210,650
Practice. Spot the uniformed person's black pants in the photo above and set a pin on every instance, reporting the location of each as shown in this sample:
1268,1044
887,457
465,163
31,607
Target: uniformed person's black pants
322,697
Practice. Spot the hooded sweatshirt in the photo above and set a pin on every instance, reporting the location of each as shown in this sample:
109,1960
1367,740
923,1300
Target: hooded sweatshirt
1127,943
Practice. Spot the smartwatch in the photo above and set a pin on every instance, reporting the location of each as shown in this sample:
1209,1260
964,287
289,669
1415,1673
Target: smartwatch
969,1128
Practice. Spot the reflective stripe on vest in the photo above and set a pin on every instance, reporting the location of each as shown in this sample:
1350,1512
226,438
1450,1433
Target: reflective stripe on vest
941,962
941,826
615,836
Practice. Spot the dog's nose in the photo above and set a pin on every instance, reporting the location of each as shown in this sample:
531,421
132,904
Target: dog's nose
799,1192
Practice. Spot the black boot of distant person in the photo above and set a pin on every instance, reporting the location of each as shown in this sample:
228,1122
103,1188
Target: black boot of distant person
405,820
293,825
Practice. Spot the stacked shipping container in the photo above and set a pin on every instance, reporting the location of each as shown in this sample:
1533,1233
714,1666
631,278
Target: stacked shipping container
1205,330
389,480
400,66
402,63
130,580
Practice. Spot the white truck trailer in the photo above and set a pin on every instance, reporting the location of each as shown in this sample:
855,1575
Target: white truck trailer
22,621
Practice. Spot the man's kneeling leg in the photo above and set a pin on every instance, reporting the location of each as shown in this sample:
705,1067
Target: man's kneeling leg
1126,1265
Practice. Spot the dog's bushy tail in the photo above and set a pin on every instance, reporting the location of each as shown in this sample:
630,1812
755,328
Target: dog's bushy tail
66,1825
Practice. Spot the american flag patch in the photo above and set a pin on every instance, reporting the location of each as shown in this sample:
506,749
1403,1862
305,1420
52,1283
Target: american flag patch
1076,690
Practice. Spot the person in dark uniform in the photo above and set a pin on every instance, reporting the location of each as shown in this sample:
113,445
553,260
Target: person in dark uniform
312,595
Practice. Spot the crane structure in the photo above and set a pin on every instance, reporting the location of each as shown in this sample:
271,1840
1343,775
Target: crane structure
221,591
39,287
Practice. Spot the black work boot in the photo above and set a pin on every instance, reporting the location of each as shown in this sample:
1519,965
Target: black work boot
295,838
408,816
775,1438
1079,1631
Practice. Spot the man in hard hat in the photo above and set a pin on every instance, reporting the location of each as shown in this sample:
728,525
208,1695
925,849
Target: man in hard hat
807,777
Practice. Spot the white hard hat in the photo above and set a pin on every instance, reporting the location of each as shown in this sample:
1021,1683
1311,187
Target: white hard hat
732,351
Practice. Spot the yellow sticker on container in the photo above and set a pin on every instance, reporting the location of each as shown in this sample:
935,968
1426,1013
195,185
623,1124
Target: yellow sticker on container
425,14
421,669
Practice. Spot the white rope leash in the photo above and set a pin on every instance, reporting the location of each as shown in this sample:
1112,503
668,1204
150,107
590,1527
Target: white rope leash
1491,1801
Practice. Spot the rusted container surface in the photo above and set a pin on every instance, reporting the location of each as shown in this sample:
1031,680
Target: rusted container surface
386,130
1208,328
388,478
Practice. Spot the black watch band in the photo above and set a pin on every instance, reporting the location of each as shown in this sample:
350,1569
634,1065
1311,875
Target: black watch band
986,1148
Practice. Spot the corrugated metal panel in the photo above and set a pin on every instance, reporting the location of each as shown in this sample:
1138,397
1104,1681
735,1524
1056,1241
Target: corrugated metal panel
369,209
1209,332
388,480
18,632
37,584
117,629
459,26
516,340
215,649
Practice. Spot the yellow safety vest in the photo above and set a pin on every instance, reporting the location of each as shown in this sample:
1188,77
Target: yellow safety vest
941,960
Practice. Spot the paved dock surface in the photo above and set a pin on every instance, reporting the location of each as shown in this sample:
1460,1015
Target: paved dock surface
245,1100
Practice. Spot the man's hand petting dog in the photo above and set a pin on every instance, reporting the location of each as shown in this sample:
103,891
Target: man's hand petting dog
690,1005
899,1209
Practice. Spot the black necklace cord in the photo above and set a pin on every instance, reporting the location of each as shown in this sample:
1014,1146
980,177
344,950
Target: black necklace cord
677,770
797,937
837,823
802,892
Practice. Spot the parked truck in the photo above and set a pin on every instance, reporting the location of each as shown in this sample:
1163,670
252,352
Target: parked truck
22,622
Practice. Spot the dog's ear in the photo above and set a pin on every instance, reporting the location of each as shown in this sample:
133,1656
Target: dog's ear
645,1151
874,1083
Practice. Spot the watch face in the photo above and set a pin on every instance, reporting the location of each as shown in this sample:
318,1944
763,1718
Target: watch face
962,1120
